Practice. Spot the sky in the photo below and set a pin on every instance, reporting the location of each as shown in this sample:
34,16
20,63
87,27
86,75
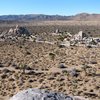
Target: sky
49,7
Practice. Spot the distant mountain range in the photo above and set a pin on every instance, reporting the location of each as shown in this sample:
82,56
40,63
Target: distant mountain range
41,17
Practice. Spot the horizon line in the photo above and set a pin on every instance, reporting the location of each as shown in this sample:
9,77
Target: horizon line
47,14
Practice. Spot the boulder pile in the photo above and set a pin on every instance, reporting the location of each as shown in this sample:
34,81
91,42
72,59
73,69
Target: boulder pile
15,33
80,39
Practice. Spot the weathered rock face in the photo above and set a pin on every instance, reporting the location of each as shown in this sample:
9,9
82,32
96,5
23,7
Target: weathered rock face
14,33
21,31
36,94
80,35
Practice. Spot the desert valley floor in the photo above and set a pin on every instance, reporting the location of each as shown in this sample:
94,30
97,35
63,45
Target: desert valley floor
73,70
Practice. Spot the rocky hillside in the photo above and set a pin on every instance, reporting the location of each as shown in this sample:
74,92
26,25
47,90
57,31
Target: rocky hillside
33,17
86,17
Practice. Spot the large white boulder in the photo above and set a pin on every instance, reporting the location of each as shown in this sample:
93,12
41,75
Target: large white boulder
37,94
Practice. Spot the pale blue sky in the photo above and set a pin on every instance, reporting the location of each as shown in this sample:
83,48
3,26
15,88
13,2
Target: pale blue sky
51,7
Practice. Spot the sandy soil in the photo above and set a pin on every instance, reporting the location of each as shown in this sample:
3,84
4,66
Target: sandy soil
72,71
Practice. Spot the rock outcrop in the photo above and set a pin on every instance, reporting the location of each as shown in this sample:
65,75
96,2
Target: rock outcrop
21,31
36,94
15,33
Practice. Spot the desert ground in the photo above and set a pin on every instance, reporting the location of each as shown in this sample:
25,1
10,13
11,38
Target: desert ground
70,70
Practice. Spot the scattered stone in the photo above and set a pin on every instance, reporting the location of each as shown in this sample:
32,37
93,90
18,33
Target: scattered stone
62,65
65,44
74,72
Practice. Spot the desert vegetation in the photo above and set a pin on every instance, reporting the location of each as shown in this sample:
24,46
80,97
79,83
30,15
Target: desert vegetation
45,65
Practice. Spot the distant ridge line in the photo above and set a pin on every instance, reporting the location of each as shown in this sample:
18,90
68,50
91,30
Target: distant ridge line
42,17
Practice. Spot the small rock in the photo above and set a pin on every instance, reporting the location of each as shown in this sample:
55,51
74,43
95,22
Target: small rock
62,65
74,72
